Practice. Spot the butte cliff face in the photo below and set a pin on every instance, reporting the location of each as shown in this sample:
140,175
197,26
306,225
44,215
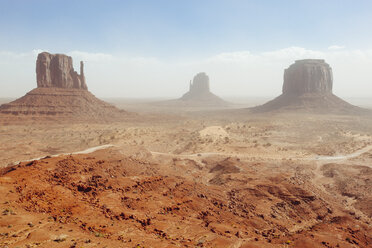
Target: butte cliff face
308,76
307,87
56,71
199,86
199,92
61,94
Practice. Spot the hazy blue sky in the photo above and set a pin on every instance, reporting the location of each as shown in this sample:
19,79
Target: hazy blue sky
182,36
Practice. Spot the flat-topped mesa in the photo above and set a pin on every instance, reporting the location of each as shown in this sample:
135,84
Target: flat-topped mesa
307,88
308,76
57,71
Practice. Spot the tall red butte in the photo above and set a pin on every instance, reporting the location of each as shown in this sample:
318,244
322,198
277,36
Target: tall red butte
61,94
56,70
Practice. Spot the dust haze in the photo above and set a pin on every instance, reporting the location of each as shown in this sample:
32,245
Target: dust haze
254,74
185,125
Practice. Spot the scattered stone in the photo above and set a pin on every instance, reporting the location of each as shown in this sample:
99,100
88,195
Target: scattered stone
8,211
60,238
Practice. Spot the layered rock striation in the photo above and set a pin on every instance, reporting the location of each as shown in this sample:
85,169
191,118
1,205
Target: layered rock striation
56,71
308,87
308,76
61,94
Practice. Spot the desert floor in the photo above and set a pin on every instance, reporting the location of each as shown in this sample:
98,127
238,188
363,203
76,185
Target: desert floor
188,178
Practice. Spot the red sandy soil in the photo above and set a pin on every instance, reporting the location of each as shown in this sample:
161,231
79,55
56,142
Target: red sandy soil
107,199
42,104
312,103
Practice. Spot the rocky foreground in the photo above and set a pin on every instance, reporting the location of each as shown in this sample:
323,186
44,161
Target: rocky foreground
107,199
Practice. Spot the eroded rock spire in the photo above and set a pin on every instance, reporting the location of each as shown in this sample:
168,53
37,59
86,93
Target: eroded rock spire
56,71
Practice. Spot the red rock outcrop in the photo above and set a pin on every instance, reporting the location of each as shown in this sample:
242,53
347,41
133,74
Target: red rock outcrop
61,93
56,70
116,201
59,104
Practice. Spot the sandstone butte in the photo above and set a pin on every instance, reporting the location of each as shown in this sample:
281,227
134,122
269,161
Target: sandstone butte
199,91
61,94
56,71
307,87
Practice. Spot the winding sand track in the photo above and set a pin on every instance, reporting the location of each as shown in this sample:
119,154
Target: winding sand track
86,151
206,154
345,157
317,158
